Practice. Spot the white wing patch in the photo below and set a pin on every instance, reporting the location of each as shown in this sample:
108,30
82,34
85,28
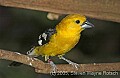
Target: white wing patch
40,42
44,35
41,37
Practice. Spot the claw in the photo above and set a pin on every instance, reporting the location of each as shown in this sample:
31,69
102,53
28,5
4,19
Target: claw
70,62
54,67
74,64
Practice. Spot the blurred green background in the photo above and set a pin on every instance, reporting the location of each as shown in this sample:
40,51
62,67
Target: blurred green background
19,31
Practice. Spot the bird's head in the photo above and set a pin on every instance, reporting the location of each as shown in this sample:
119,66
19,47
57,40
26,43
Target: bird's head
75,22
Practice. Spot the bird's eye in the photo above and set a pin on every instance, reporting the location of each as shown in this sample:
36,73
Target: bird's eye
77,21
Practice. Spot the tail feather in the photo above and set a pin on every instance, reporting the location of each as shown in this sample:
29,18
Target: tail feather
14,63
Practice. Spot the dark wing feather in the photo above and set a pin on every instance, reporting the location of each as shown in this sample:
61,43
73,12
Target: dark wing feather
45,37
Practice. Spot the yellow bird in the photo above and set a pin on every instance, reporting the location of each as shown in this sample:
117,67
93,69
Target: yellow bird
61,39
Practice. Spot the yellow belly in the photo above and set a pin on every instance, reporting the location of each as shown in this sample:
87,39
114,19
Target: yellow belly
59,45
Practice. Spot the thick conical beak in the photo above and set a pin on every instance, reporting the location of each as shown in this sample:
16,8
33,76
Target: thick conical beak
87,24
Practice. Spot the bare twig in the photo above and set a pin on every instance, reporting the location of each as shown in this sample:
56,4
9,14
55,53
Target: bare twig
99,9
42,67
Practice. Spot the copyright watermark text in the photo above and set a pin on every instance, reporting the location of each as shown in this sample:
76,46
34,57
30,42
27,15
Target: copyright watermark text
109,73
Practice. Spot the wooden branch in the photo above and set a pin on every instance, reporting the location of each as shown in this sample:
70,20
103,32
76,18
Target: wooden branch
42,67
99,9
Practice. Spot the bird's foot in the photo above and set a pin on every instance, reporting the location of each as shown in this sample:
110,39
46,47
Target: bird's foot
54,67
70,62
74,64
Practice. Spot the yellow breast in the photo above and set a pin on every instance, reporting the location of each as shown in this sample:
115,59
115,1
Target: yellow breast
58,45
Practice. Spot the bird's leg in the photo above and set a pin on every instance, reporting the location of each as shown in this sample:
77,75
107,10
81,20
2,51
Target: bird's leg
70,62
54,67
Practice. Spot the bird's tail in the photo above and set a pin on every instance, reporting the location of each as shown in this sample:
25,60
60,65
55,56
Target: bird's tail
14,63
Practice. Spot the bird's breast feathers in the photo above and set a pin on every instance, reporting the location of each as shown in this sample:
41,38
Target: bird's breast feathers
59,44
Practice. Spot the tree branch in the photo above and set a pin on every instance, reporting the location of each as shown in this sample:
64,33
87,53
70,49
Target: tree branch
42,67
99,9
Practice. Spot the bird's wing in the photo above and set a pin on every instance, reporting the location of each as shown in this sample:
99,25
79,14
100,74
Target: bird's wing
43,39
45,36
